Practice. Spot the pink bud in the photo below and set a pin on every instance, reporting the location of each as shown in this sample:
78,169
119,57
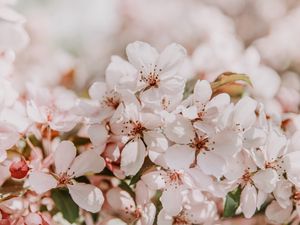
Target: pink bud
19,169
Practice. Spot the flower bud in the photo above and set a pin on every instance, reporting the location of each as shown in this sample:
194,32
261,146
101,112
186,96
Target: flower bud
19,169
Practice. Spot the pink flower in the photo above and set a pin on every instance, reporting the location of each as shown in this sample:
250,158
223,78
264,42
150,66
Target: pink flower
68,167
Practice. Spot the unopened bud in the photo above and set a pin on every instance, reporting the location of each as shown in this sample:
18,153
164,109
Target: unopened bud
19,169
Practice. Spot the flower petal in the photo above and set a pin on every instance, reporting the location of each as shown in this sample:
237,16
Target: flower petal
64,155
226,143
211,164
41,182
141,55
120,73
171,200
278,215
87,196
179,157
244,112
170,59
9,136
265,180
202,92
180,130
154,180
248,200
87,162
98,134
132,157
97,90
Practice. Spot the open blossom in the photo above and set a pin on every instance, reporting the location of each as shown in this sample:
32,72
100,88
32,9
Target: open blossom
160,84
141,210
68,167
52,108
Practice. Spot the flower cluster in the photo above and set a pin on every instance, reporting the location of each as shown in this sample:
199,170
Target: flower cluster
145,146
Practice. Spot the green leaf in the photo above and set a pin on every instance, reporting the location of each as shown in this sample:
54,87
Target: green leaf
232,202
229,77
65,204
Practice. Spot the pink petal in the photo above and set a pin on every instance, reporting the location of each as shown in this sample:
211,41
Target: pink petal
132,157
87,196
87,162
248,200
97,90
41,182
64,155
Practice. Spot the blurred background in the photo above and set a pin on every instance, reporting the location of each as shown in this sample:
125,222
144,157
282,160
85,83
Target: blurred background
71,41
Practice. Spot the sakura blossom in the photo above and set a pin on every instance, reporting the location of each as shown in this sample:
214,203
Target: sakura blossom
149,112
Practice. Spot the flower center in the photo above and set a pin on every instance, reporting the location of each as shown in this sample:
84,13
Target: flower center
180,220
152,78
136,129
247,176
64,179
111,99
201,144
174,178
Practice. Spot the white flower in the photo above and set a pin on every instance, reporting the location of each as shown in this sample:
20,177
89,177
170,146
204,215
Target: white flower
173,183
160,85
142,210
134,125
52,108
68,167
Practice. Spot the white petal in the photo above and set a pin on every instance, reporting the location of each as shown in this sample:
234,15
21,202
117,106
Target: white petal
282,193
202,181
164,219
87,196
180,130
276,143
203,213
9,136
226,143
41,182
87,162
265,180
278,215
97,90
219,101
132,157
248,200
154,180
179,157
171,200
148,215
244,113
261,198
254,137
119,200
33,219
292,166
34,113
98,134
142,193
211,164
120,73
64,155
141,54
170,59
202,92
156,141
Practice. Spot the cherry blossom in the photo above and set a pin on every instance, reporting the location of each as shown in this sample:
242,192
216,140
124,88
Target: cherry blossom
69,167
